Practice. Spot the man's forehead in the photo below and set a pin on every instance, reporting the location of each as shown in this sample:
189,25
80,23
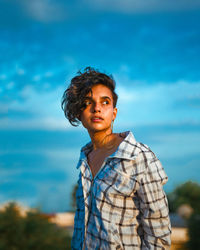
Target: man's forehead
101,97
100,90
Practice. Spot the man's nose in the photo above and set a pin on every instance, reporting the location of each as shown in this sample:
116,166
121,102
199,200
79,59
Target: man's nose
96,107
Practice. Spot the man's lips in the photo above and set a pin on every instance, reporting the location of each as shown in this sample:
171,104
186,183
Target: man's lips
97,119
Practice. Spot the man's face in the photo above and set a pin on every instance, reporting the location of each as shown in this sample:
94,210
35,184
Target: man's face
99,111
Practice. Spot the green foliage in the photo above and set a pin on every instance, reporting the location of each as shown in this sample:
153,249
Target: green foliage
32,232
74,196
194,230
187,193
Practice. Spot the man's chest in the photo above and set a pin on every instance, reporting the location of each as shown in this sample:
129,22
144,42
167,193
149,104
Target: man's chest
96,160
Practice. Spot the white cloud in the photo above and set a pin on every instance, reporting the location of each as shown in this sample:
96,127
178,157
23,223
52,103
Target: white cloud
36,78
45,11
142,6
47,123
43,104
54,153
20,71
62,154
44,109
3,76
3,108
161,103
126,96
175,144
139,104
10,85
48,74
52,11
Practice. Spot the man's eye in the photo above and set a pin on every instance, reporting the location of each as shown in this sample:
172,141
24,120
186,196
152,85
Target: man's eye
87,103
105,102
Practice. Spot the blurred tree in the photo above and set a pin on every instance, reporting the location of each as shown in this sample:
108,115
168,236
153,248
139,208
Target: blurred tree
74,196
186,193
194,232
11,228
30,232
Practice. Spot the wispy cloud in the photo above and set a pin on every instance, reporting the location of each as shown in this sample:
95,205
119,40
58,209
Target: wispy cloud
159,103
142,6
62,154
47,11
170,145
139,104
48,176
44,109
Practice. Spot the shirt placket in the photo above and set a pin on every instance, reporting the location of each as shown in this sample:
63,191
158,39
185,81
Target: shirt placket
87,182
88,192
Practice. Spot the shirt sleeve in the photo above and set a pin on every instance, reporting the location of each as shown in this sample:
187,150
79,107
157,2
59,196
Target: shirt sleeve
154,210
78,234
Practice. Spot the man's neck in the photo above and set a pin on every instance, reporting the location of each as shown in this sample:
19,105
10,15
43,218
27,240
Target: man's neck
100,138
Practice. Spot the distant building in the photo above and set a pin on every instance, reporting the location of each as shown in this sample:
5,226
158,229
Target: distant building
179,231
179,227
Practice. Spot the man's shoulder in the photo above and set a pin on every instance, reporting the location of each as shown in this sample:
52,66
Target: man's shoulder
135,147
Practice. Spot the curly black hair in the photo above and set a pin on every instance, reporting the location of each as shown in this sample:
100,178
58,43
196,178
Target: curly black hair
73,98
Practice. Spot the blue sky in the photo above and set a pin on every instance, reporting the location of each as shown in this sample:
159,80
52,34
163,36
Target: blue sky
151,49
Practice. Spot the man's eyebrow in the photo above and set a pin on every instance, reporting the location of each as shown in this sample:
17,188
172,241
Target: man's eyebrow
105,97
102,97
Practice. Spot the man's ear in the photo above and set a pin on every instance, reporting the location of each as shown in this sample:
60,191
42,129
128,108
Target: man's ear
114,113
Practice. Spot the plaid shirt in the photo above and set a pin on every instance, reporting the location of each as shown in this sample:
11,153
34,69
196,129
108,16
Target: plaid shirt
124,205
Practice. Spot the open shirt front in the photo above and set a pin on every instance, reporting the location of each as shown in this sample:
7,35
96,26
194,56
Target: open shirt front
124,205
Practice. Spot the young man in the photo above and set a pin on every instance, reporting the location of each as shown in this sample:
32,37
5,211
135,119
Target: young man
120,199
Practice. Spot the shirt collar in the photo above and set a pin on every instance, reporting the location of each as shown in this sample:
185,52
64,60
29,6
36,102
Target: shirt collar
124,150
